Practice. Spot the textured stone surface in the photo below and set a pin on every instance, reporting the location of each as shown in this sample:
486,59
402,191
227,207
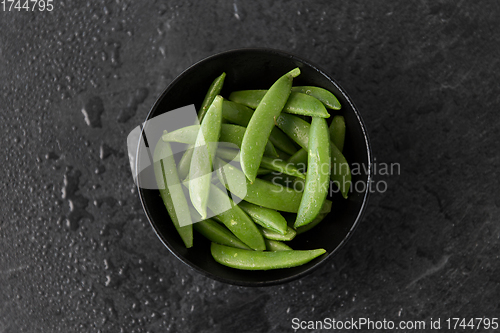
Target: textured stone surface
78,255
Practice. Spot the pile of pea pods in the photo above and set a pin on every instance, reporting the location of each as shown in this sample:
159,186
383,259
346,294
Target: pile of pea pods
282,132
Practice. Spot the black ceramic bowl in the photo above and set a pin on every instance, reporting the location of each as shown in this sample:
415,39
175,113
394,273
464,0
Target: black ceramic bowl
258,69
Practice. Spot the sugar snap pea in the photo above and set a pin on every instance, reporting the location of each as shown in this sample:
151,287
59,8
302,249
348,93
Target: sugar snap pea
261,260
318,173
185,162
213,91
260,192
277,164
298,130
234,134
186,135
200,172
269,163
236,113
235,219
274,245
341,173
282,155
265,217
299,159
325,96
240,114
271,234
249,98
290,219
288,181
171,192
297,103
337,131
295,127
217,233
263,171
325,210
282,142
262,122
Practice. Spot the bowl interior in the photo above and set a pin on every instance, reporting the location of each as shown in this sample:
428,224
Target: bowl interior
258,69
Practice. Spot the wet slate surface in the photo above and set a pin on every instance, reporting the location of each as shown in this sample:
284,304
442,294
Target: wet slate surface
76,252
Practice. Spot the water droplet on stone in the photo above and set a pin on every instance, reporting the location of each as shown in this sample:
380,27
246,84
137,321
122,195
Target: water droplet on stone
100,169
51,156
92,111
77,202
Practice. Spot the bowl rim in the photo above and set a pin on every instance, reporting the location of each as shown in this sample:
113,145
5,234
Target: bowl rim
365,198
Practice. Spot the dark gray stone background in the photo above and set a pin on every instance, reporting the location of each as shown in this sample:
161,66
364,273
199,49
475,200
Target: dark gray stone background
76,251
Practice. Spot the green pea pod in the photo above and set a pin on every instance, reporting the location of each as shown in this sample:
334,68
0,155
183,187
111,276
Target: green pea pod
240,114
325,210
271,234
200,171
235,219
318,173
234,134
262,260
262,122
341,172
277,164
186,135
298,130
299,159
260,192
337,132
212,92
217,233
282,155
288,181
268,163
236,113
170,192
325,96
249,98
263,171
273,245
268,218
185,162
282,142
305,105
297,103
